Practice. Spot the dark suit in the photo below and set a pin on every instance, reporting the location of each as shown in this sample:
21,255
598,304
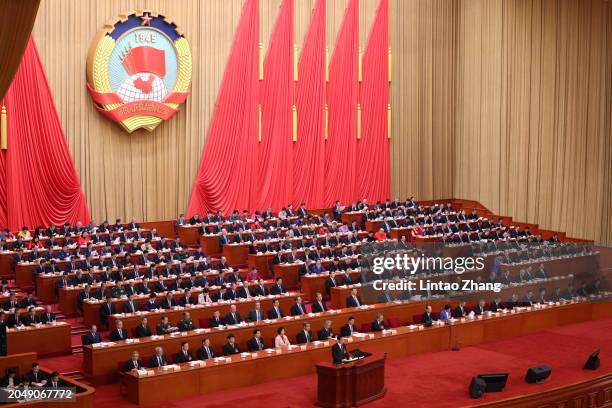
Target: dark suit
47,317
378,326
167,304
91,338
478,310
459,312
352,302
260,290
234,318
256,315
130,307
154,361
274,314
229,349
25,303
318,307
427,318
304,337
107,310
205,354
130,365
339,353
278,290
117,335
8,305
325,334
143,331
347,330
254,345
35,377
298,309
148,306
216,321
182,357
28,320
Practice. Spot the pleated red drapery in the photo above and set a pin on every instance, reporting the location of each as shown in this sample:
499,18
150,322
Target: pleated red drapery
237,172
226,178
309,150
342,97
41,184
373,178
275,170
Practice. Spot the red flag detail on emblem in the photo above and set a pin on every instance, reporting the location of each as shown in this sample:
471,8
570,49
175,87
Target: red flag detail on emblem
145,59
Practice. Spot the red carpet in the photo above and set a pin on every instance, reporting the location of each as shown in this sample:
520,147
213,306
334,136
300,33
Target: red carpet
435,379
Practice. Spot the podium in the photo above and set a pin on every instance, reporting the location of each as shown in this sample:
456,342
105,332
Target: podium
352,384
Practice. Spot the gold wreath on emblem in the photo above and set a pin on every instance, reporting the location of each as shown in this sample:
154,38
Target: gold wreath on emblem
98,60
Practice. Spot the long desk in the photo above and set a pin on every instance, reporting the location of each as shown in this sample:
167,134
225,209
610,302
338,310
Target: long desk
253,368
45,282
100,363
131,320
68,296
91,309
582,267
290,272
44,339
339,294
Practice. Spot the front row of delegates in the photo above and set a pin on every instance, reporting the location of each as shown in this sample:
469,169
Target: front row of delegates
205,352
34,378
257,343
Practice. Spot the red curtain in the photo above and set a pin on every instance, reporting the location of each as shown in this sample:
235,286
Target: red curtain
309,150
226,176
373,152
237,172
41,184
275,181
342,97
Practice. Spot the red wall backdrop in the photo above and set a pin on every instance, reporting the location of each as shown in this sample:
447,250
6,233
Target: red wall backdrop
38,182
237,172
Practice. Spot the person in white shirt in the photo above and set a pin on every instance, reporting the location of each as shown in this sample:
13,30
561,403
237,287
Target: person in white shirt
281,339
204,297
